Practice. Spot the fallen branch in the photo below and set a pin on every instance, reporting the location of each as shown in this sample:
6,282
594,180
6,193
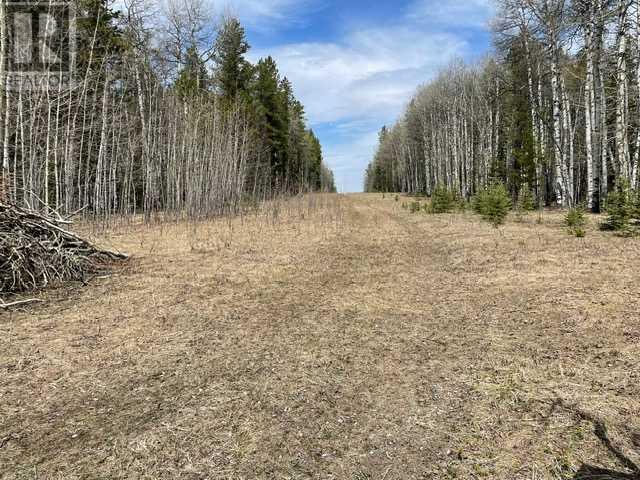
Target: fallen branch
20,302
35,251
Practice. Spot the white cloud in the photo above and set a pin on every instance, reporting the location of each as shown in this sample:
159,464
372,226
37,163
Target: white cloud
370,73
452,13
259,15
354,87
355,84
266,14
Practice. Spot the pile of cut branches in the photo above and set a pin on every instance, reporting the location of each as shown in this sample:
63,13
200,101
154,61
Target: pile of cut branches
37,250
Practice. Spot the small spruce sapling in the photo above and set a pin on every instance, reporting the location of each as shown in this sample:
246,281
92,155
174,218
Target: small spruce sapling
622,209
442,200
575,221
526,202
493,204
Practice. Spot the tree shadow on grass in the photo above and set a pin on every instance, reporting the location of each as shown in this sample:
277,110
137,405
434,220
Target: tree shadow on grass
588,472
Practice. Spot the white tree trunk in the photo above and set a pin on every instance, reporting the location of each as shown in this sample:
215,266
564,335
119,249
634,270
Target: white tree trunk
589,106
3,102
622,137
560,190
604,129
568,154
636,159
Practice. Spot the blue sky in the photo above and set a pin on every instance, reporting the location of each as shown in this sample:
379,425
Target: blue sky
355,64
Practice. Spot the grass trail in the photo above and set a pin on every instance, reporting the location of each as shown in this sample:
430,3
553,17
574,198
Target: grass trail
332,337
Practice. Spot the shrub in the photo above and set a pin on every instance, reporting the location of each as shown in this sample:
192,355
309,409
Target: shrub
623,210
415,207
575,218
479,201
575,221
442,200
249,202
526,202
493,204
397,198
459,202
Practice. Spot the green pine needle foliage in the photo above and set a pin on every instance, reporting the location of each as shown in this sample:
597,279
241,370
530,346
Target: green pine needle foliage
493,204
623,210
526,201
442,200
575,221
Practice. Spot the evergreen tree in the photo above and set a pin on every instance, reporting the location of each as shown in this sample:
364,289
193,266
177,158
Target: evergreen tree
442,200
622,209
193,78
518,123
99,39
233,72
273,115
526,202
314,162
493,203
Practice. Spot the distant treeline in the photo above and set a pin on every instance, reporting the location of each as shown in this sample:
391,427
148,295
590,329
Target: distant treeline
164,113
554,113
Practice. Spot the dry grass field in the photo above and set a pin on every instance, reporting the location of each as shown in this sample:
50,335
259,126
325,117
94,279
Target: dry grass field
333,337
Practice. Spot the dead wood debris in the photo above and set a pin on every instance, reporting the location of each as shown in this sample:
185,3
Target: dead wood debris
37,250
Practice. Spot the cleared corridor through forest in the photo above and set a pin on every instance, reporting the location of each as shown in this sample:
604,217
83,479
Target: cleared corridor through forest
331,337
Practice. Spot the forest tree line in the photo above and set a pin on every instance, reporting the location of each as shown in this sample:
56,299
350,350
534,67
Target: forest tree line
164,114
554,112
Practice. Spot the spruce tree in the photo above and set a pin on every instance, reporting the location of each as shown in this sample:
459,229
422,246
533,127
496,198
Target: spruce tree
315,161
99,40
233,72
442,200
526,201
622,209
193,78
493,203
273,116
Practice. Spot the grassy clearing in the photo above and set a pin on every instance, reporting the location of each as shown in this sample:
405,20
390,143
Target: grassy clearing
333,337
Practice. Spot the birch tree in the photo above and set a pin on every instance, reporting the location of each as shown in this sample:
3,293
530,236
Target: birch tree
130,136
4,131
622,139
569,79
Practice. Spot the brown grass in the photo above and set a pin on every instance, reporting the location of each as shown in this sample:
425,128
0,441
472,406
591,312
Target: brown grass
341,337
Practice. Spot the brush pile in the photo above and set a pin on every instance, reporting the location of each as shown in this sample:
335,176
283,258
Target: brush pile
36,250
